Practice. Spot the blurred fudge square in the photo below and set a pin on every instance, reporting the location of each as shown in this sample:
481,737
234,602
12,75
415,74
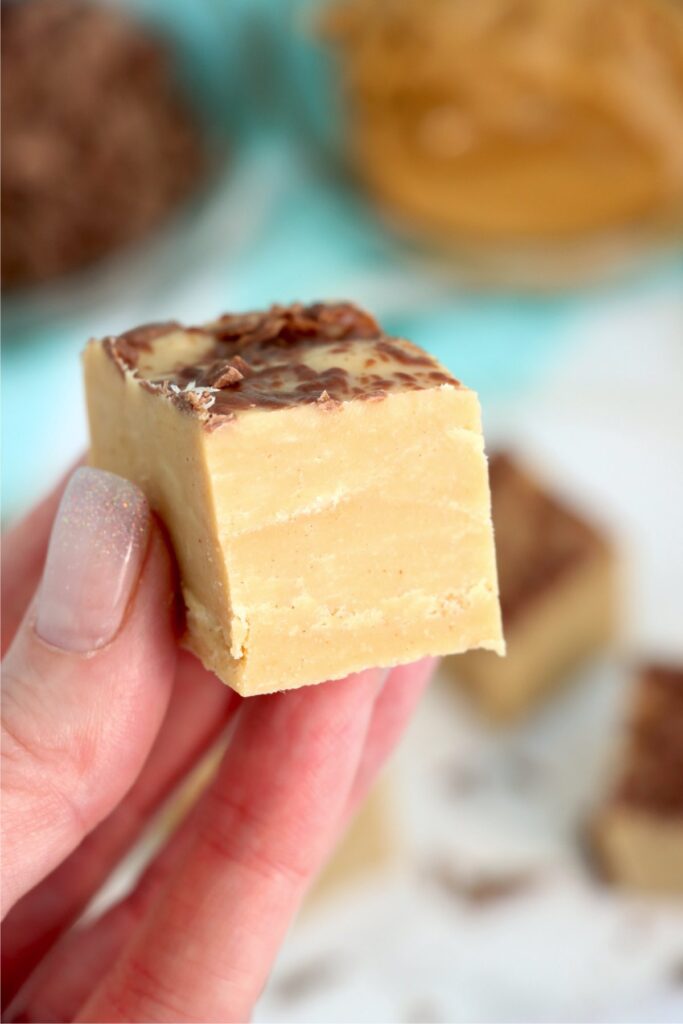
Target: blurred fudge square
325,488
557,594
640,829
367,850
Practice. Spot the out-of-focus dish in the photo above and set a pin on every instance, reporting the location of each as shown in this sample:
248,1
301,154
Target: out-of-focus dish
99,144
518,127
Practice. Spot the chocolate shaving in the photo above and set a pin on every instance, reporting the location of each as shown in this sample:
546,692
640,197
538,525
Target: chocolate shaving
377,395
242,365
228,378
407,355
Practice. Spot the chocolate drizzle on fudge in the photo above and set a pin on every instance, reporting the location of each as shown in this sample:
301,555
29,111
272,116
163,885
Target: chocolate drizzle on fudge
125,348
538,538
285,356
653,774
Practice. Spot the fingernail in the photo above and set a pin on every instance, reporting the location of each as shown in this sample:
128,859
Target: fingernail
93,562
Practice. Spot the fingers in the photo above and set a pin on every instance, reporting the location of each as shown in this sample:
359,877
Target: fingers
207,943
24,550
87,679
393,711
199,710
84,957
73,970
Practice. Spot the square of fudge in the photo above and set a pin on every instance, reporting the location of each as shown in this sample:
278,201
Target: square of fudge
557,578
324,486
639,830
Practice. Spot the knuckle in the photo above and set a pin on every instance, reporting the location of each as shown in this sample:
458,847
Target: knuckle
240,834
145,988
41,773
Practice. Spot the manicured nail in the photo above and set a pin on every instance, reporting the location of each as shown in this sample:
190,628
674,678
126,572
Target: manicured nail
93,562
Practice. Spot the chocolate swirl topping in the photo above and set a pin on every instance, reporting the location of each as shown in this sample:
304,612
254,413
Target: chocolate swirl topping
653,778
323,353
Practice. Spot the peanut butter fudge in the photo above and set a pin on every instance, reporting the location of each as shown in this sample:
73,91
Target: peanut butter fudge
640,829
324,485
557,594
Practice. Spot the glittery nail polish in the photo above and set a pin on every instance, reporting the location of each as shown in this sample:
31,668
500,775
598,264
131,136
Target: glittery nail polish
94,559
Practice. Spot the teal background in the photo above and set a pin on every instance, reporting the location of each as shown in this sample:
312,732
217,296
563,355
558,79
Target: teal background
277,221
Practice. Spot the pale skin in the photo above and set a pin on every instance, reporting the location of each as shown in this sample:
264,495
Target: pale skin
97,732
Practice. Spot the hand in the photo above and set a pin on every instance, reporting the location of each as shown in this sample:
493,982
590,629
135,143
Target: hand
102,716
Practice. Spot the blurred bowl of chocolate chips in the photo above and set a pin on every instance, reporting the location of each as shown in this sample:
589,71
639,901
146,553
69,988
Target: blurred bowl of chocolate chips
112,134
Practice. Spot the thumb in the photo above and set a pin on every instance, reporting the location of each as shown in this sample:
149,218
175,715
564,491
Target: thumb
88,676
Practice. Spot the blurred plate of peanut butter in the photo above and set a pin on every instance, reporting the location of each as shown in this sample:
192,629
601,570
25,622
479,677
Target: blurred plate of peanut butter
536,142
